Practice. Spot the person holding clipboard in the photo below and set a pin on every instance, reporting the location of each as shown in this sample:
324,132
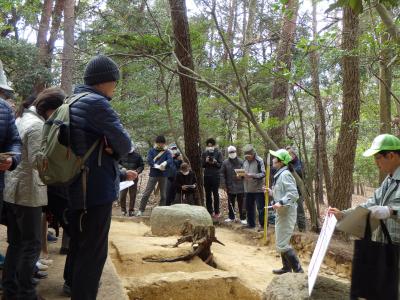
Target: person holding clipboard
285,194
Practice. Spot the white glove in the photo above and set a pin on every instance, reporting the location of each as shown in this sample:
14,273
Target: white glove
162,166
380,212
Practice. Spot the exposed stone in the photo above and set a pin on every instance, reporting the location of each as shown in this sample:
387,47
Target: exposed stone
285,286
168,220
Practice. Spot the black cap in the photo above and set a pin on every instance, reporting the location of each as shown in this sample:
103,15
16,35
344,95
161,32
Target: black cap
101,69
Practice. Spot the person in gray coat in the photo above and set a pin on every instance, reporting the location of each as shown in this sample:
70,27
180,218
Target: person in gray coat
25,195
233,184
253,186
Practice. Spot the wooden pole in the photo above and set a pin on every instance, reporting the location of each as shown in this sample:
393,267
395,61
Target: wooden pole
266,197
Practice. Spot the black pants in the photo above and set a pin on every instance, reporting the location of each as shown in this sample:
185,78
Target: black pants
132,196
301,217
252,200
171,190
231,206
24,243
88,250
211,185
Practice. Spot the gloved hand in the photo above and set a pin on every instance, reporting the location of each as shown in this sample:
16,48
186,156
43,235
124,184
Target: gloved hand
270,193
380,212
163,166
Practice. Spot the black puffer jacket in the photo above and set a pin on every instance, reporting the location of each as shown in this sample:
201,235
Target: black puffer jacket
92,119
133,161
9,137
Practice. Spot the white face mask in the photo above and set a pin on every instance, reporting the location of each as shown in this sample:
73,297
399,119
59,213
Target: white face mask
211,149
232,155
185,173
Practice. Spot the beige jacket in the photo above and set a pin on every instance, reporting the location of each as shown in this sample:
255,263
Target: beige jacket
23,185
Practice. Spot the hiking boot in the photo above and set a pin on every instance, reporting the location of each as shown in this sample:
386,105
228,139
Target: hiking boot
286,266
294,261
131,213
64,251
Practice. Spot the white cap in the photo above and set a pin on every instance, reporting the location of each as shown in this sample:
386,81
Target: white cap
3,79
231,149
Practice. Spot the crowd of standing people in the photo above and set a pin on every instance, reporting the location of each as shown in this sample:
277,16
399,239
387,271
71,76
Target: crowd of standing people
83,206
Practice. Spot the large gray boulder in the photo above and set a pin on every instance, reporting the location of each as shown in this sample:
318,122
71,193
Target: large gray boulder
168,220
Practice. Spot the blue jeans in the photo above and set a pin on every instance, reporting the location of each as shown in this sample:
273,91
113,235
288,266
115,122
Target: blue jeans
252,200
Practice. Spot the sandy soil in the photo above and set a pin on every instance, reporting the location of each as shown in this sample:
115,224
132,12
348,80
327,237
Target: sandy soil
51,287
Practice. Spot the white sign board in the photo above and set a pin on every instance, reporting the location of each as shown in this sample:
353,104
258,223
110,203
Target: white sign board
125,184
320,250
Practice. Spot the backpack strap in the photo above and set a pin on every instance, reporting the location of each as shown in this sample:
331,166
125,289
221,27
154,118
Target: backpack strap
73,98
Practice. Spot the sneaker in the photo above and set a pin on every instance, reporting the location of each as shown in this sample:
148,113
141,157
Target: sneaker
228,220
40,275
243,222
123,213
139,213
42,267
131,213
66,289
46,261
51,238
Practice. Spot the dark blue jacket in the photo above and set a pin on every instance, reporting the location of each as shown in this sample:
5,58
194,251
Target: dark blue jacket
166,156
92,118
9,137
174,168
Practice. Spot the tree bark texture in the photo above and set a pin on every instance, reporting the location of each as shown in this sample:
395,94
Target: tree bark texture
314,60
347,142
68,48
283,62
41,42
55,28
183,50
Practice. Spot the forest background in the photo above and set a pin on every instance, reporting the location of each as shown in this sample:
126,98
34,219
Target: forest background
320,75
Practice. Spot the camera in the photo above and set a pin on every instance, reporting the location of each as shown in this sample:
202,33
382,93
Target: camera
210,156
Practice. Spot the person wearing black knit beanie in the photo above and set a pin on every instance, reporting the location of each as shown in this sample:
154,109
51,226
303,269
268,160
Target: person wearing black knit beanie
93,122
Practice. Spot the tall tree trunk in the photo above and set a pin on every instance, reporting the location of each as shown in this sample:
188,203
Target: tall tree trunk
314,60
385,85
41,43
55,28
229,30
343,161
68,49
183,50
385,74
283,62
248,27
